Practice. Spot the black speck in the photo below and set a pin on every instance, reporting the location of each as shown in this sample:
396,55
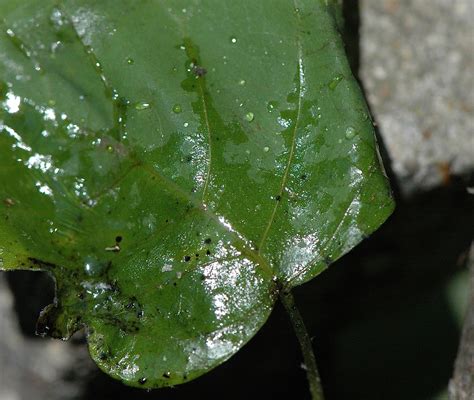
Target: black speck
187,258
278,198
208,252
189,158
167,375
208,241
175,284
304,177
118,239
199,71
142,381
197,255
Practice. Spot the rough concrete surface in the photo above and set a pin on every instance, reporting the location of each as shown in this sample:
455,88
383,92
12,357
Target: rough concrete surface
417,66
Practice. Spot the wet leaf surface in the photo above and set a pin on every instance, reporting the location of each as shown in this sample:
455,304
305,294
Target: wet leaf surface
172,164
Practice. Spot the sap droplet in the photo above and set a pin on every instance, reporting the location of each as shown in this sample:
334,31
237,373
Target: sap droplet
185,124
335,81
130,61
177,108
242,82
142,106
249,116
233,40
350,132
266,149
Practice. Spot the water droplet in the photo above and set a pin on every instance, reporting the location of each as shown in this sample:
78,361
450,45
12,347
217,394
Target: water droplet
266,149
185,124
130,61
142,106
233,40
249,116
242,82
335,81
350,132
271,105
177,108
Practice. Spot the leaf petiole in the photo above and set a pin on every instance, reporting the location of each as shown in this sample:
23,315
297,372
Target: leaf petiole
309,359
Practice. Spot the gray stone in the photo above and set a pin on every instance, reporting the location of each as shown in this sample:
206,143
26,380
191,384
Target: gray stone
417,68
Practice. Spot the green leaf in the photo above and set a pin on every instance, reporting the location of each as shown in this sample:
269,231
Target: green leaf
173,163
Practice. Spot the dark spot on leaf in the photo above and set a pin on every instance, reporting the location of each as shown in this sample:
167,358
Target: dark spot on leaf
304,177
41,264
142,381
187,258
208,252
199,71
189,158
278,198
167,375
208,241
118,239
